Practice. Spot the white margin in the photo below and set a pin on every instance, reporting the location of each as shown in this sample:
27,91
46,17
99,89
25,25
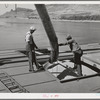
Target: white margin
49,95
50,2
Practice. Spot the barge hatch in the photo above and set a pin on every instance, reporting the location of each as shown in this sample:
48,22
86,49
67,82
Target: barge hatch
50,81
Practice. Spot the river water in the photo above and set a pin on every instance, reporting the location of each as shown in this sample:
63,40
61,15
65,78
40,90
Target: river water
12,32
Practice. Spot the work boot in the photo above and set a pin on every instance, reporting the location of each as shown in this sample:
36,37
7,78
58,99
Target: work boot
40,67
33,71
74,69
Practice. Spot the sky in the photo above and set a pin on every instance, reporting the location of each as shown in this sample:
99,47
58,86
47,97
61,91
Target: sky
7,7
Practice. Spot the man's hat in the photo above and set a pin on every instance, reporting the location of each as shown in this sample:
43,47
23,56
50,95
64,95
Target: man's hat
32,28
69,37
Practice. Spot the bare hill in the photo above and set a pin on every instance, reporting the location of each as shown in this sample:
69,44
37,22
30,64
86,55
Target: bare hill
19,12
61,11
74,11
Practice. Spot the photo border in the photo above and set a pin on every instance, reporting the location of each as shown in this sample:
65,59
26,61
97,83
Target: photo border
60,96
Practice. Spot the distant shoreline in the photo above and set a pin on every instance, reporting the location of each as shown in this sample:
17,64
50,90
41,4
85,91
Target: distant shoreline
13,32
58,20
77,20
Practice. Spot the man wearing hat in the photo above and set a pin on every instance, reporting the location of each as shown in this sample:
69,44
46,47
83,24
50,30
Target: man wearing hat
77,52
30,49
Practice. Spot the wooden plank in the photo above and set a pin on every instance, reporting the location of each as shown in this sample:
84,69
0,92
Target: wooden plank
12,56
7,51
48,87
17,70
34,78
92,59
13,65
38,53
88,85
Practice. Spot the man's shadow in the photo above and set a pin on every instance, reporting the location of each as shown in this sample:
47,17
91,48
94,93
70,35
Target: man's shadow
67,72
4,61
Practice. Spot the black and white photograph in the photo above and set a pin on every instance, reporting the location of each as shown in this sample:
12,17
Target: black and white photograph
49,48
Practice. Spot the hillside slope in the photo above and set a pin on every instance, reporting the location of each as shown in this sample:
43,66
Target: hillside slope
75,11
61,11
19,12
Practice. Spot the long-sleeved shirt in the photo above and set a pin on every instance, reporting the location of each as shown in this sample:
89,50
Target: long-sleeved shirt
30,44
73,45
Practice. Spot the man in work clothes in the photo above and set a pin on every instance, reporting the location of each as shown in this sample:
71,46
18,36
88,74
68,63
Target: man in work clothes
77,52
30,49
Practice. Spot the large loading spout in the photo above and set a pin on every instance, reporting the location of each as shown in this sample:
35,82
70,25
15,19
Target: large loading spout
41,9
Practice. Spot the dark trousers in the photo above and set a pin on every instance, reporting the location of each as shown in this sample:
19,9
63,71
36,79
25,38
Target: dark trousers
32,59
77,63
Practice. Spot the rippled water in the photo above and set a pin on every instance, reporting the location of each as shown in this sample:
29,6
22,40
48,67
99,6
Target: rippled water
12,32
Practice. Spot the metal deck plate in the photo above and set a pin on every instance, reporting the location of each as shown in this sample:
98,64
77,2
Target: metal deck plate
92,59
46,82
34,78
17,70
3,89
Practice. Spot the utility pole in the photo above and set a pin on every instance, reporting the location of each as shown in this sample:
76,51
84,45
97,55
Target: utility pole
49,30
15,10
